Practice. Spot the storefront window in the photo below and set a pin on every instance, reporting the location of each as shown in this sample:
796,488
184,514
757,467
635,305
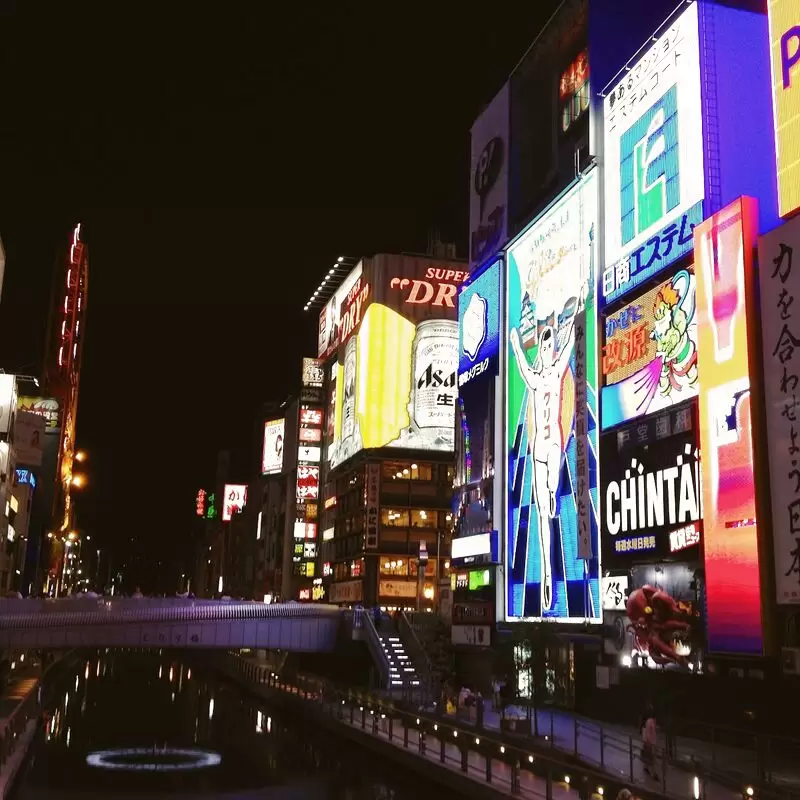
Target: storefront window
424,518
392,566
430,568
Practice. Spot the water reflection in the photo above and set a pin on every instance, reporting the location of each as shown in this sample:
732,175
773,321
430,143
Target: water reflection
161,713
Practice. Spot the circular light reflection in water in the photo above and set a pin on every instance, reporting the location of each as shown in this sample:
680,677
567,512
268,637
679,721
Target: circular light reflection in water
148,759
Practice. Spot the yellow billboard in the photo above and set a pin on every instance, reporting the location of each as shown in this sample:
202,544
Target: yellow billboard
784,46
395,376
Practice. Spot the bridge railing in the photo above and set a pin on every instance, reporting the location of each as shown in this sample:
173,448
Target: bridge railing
16,614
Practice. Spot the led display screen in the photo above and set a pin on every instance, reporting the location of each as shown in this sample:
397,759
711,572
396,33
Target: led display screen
724,259
654,177
784,47
650,353
272,453
650,489
479,325
552,543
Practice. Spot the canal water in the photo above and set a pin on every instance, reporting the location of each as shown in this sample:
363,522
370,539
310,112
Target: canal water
148,725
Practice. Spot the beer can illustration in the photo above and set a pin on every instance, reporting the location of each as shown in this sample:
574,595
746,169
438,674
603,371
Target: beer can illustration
434,387
349,390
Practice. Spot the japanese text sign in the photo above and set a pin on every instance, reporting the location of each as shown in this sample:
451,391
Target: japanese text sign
372,502
235,498
780,326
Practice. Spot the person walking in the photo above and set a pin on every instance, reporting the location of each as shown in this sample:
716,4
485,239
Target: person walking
649,741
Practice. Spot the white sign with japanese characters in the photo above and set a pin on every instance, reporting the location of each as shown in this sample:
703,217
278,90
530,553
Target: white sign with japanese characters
780,328
654,172
615,593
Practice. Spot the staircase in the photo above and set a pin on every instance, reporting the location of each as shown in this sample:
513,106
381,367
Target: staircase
402,673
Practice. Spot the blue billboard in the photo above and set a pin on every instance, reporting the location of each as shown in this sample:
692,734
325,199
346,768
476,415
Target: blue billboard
479,325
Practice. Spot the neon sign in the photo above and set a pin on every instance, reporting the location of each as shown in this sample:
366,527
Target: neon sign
723,247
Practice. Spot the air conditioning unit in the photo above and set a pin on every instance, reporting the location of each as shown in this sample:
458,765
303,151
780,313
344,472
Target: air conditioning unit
790,660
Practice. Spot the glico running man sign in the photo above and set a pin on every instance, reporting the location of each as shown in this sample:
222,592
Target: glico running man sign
552,553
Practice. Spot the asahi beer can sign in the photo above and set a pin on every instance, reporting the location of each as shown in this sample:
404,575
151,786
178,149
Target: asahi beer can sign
434,388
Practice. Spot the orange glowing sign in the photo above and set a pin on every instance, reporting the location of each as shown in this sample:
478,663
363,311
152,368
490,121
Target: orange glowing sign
574,76
724,247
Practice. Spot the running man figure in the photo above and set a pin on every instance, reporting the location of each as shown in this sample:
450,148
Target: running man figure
544,380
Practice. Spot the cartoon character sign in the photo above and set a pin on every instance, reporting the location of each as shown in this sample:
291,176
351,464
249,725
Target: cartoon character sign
650,352
551,314
673,312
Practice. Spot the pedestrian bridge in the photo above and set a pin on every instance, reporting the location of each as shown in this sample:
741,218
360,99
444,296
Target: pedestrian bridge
178,623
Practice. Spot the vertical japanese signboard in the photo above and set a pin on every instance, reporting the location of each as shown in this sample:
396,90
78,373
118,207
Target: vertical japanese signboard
780,325
724,259
654,173
372,502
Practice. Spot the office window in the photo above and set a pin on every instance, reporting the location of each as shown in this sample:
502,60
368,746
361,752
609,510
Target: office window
424,518
407,471
394,518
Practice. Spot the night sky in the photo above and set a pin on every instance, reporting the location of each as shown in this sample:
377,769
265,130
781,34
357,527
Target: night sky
220,158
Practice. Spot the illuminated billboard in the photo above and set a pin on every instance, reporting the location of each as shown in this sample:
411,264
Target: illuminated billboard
330,316
313,373
488,197
307,482
780,332
552,540
784,48
272,453
396,374
479,325
654,176
46,407
235,498
8,402
724,260
651,490
650,353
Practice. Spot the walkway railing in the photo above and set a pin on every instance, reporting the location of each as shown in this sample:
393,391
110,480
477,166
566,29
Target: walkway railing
517,767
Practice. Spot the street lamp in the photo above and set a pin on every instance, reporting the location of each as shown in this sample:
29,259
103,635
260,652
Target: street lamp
78,481
80,455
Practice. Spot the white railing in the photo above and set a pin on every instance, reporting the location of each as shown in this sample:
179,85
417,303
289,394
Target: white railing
17,614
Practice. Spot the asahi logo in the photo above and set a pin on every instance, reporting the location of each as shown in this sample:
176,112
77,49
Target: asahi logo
653,499
434,378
